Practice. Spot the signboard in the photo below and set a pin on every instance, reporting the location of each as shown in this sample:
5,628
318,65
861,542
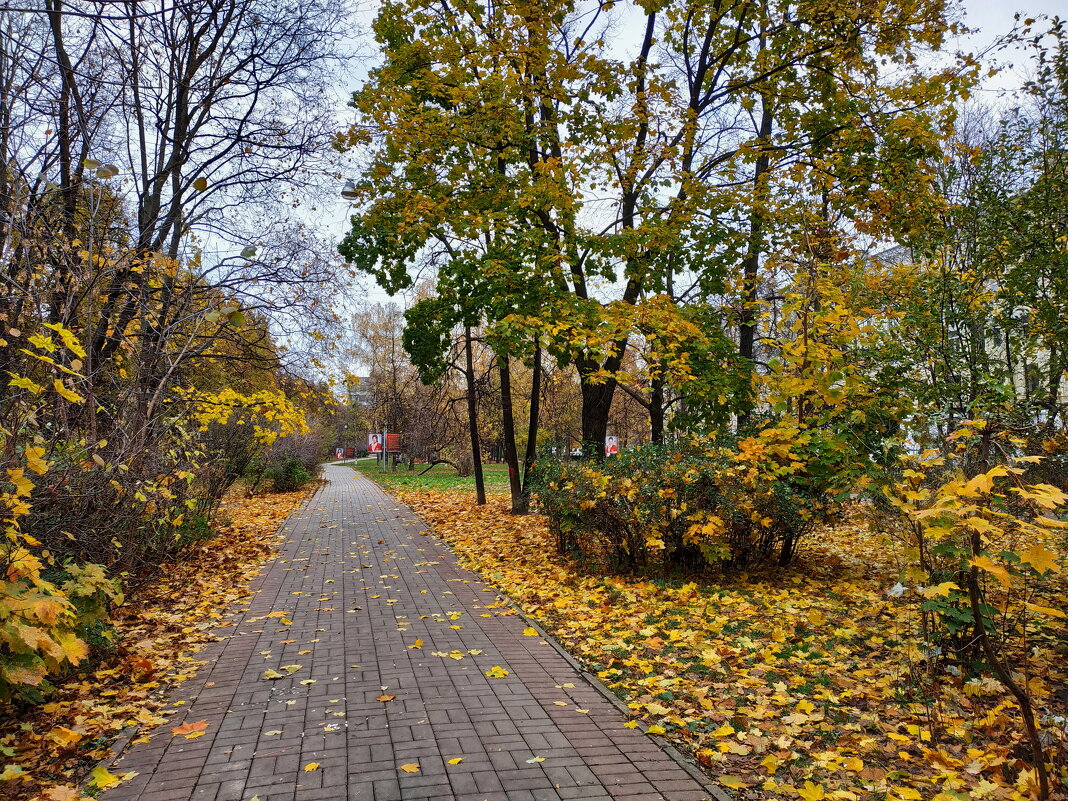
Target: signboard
393,443
611,446
374,443
339,453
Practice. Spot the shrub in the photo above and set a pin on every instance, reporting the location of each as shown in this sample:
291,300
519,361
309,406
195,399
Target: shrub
288,475
984,557
698,504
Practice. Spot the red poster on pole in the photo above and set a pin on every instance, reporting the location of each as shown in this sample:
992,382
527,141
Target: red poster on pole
393,443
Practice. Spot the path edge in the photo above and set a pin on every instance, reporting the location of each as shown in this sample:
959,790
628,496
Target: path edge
121,743
674,753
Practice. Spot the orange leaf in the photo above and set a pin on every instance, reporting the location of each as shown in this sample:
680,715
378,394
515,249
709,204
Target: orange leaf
190,728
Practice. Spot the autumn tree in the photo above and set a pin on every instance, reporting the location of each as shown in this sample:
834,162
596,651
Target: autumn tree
517,134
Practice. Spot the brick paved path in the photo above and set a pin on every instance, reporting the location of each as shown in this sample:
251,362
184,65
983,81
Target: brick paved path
359,585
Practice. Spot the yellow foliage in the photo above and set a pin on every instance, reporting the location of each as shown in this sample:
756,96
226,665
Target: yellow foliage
270,413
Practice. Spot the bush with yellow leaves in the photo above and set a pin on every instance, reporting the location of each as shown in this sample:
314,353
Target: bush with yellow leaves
985,554
686,507
43,609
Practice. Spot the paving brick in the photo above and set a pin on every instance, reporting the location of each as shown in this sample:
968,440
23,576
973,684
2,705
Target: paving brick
443,708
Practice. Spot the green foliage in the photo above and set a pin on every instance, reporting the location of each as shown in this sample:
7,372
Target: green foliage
288,475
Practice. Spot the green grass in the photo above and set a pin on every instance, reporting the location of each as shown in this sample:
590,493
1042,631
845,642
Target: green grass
442,477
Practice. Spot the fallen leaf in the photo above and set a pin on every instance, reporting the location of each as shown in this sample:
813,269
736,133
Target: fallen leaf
455,761
311,766
63,736
103,779
812,792
190,728
410,767
62,793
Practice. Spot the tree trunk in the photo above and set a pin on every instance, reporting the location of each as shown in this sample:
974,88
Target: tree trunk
511,455
596,405
532,426
472,420
656,412
751,265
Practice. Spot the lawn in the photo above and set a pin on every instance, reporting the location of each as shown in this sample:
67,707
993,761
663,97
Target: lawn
441,477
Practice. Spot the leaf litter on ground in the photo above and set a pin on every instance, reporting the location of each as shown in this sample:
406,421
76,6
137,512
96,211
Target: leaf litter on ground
157,636
808,682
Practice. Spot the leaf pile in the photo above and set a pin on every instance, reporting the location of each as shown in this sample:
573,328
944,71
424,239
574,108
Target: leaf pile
49,753
807,683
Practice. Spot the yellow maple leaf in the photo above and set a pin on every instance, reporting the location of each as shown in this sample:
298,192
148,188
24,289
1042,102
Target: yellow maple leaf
410,767
23,486
455,761
733,782
104,779
311,766
31,675
940,590
63,736
812,792
42,342
529,632
988,565
907,793
35,459
66,392
22,382
69,339
1041,559
1045,610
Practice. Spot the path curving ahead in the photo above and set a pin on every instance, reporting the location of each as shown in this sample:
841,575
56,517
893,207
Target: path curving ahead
361,586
